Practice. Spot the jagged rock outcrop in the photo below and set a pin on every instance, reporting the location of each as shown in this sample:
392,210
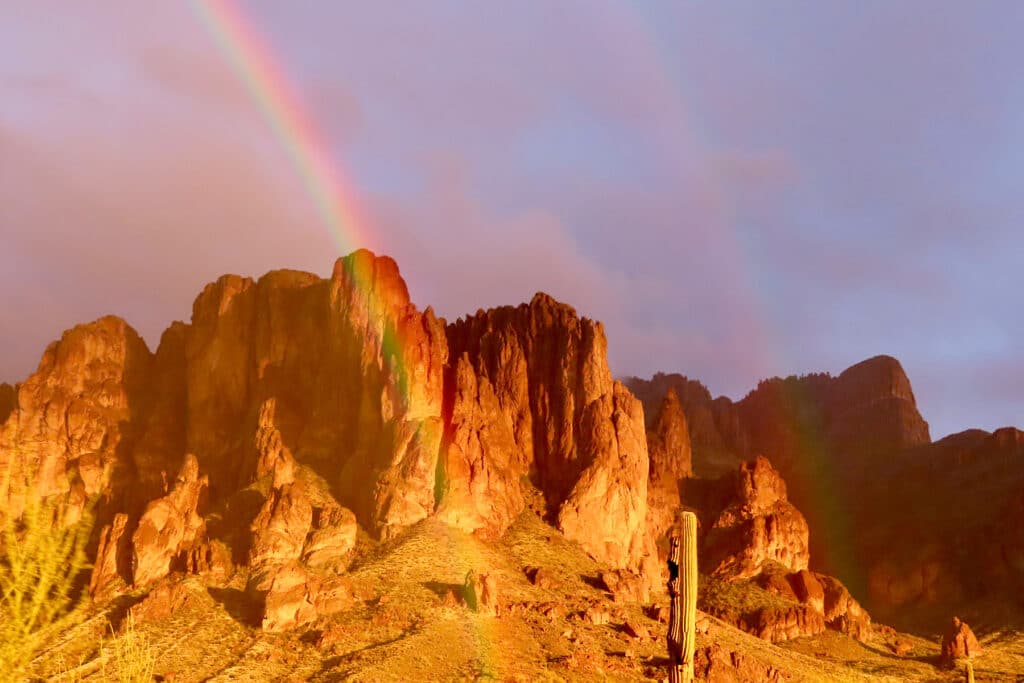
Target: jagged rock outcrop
842,612
668,443
356,372
299,521
846,434
533,403
959,641
759,527
170,527
716,438
280,529
112,567
345,380
758,535
72,423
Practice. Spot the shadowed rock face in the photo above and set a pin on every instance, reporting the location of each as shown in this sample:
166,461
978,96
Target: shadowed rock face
967,548
8,400
668,441
755,533
869,409
832,439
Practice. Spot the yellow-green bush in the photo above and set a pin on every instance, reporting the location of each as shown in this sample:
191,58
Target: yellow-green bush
40,558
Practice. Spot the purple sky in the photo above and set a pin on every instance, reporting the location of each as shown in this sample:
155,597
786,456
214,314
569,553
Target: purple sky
737,190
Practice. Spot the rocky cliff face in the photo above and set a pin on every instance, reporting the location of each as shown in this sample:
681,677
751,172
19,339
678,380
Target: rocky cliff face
8,400
760,526
717,442
967,549
858,462
356,372
758,543
302,406
71,424
868,410
829,437
532,403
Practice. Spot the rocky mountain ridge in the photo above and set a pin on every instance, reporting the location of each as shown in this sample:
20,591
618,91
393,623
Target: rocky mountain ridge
297,417
344,380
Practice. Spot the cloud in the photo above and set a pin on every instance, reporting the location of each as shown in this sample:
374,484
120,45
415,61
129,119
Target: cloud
735,193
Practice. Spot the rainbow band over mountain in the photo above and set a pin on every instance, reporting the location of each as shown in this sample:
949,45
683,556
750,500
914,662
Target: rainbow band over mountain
252,59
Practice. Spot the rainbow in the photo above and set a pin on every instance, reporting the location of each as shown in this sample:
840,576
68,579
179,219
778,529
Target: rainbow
252,59
330,191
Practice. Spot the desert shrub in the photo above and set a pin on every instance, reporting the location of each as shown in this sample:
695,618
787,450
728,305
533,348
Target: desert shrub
41,555
133,654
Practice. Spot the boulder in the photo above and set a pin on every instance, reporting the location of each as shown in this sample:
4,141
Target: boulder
958,642
842,612
626,586
212,558
295,596
332,538
542,577
808,590
162,602
715,664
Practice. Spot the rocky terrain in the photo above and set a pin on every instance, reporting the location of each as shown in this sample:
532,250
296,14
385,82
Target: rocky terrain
314,479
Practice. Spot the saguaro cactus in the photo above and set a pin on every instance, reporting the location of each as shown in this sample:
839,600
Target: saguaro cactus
682,589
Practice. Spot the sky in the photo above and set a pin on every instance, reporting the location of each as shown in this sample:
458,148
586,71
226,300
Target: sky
736,189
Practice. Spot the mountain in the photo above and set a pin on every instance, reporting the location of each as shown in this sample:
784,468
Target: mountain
315,475
914,528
